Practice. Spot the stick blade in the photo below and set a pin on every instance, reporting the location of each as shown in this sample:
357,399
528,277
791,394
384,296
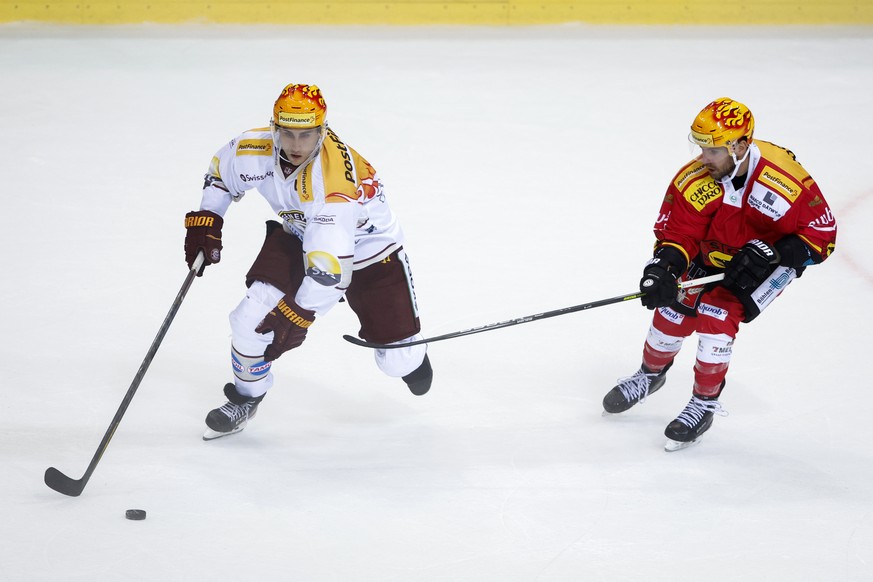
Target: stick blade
63,484
359,342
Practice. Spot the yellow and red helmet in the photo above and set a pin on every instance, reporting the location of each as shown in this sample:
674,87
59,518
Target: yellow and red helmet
722,123
299,107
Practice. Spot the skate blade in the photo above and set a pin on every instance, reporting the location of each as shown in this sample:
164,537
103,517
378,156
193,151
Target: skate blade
672,446
211,435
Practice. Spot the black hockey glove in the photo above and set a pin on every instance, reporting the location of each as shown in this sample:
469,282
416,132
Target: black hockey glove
795,253
289,323
660,277
750,267
203,233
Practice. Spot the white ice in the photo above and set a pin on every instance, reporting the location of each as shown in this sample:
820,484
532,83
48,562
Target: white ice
527,166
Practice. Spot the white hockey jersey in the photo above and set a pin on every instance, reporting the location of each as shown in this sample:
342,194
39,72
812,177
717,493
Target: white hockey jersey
333,203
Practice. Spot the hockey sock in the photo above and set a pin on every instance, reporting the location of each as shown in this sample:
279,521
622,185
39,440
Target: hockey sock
709,378
656,361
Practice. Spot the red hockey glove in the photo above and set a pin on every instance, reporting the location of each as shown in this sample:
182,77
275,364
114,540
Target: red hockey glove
750,267
203,234
289,323
660,277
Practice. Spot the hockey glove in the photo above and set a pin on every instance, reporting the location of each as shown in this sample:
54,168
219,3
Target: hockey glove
289,323
750,267
203,233
660,277
795,253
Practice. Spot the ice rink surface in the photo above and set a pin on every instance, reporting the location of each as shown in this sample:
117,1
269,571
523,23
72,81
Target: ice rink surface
527,167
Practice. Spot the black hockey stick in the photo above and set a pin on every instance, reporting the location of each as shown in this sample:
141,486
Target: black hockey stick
74,487
527,318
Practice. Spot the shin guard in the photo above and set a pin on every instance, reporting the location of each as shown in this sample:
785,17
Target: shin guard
713,358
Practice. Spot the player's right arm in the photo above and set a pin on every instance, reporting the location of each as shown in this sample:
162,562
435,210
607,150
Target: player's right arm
686,211
242,164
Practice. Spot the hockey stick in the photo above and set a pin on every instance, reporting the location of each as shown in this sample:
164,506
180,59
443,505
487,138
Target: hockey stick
526,319
73,487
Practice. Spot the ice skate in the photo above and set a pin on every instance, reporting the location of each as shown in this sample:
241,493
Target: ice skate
692,422
231,417
634,389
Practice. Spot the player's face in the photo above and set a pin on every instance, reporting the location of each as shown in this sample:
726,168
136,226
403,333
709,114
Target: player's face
298,143
717,161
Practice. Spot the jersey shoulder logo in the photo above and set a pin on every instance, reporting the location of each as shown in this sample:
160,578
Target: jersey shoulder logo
254,147
690,171
781,172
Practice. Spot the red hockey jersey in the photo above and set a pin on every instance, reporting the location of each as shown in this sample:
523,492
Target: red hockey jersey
702,216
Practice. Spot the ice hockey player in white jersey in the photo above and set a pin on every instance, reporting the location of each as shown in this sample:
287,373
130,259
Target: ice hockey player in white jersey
337,238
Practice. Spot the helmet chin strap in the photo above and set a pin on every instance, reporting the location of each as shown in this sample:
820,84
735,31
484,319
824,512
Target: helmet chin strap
738,162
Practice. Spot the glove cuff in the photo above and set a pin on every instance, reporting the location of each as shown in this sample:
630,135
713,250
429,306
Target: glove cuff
203,219
294,313
795,253
763,250
671,259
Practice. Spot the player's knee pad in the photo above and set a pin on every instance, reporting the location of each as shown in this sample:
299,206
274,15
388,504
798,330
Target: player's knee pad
400,362
714,348
259,300
253,376
659,341
713,359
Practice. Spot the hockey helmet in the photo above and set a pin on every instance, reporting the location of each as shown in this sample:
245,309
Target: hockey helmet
299,107
722,123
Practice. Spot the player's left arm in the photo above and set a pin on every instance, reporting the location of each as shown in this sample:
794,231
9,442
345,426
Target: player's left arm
814,231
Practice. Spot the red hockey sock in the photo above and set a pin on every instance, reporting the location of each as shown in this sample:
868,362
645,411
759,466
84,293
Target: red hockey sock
655,360
708,378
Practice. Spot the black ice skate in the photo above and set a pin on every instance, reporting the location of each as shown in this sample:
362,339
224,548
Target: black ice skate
692,422
634,389
231,417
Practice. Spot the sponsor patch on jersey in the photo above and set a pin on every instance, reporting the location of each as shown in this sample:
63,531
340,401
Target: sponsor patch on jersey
295,220
692,171
702,191
255,147
825,222
325,219
255,177
304,184
768,202
324,268
780,183
712,311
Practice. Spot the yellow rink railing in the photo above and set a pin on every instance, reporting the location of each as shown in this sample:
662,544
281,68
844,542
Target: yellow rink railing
457,12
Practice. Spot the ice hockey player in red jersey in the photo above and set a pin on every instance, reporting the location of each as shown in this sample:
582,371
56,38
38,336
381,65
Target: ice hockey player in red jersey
337,239
743,207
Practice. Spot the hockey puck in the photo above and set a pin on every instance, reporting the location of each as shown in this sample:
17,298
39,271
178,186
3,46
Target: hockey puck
135,514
